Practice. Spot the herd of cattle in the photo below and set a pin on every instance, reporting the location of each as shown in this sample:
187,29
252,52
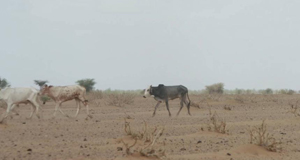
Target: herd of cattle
15,96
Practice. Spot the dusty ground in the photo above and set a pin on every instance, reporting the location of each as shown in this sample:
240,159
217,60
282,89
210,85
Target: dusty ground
184,137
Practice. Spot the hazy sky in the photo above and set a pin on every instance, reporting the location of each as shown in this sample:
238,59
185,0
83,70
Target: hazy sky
130,44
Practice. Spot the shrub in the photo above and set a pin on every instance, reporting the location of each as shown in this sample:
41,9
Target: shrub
88,84
215,88
4,83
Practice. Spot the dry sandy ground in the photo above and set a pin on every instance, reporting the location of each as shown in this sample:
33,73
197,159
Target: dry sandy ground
183,138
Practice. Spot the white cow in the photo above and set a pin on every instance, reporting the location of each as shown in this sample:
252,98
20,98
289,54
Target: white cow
62,94
15,96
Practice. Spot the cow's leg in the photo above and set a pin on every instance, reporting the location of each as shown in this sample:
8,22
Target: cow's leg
85,103
59,105
13,110
37,106
187,103
78,106
167,105
56,108
33,108
87,109
158,103
181,106
5,114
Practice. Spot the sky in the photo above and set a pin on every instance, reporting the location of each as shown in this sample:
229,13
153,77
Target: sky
131,44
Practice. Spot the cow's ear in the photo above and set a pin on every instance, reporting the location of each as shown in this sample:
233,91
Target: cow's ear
45,85
50,86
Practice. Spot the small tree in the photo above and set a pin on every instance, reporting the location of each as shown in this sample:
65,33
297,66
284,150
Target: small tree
215,88
40,82
4,83
88,84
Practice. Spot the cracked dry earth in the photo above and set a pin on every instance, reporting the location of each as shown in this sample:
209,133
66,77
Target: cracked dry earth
184,137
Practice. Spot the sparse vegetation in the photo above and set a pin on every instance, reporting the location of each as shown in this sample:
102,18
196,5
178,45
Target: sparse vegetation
259,136
95,96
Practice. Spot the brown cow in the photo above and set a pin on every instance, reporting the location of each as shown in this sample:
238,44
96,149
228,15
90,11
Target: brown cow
62,94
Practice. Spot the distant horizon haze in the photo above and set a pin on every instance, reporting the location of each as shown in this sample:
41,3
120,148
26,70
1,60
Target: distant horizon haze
131,44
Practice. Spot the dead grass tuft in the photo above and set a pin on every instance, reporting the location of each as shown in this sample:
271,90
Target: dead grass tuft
259,136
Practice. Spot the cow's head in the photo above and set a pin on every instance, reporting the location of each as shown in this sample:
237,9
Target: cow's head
148,91
45,89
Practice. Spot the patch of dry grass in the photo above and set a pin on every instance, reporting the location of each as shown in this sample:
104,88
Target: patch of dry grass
94,97
120,99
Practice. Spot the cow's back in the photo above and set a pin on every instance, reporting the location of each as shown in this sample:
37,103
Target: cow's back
67,92
18,94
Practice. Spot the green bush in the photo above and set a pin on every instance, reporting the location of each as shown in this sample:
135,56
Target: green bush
88,84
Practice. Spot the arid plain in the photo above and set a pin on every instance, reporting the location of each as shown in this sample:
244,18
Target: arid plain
219,129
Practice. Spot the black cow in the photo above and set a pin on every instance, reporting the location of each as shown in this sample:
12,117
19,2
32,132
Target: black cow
163,93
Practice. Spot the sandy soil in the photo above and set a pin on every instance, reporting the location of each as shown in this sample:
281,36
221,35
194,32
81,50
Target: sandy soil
184,137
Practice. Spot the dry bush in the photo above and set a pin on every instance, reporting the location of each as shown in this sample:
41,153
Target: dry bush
294,108
215,88
148,138
259,136
193,104
216,124
94,97
120,99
